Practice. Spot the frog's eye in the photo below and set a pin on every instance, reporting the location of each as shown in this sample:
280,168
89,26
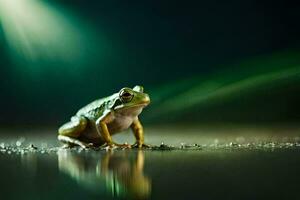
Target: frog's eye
126,96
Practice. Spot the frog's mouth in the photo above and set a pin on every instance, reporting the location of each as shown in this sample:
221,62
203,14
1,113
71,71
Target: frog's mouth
143,103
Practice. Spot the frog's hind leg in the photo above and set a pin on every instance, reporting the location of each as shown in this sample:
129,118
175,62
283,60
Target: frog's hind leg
74,127
70,142
70,131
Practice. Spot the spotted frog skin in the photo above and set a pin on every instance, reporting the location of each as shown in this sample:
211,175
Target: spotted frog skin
95,123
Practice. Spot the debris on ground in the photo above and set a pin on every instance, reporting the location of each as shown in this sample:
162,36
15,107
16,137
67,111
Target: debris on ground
19,147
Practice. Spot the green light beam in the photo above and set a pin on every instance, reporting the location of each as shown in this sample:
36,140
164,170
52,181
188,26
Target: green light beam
37,32
219,90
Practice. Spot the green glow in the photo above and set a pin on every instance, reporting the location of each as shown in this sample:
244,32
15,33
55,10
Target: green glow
36,32
195,93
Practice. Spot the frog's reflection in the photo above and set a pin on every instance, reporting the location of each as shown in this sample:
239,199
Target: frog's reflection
119,173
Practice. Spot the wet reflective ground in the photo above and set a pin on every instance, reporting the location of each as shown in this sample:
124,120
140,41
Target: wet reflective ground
222,166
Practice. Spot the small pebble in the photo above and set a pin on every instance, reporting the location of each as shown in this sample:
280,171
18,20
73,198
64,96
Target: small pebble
31,146
232,144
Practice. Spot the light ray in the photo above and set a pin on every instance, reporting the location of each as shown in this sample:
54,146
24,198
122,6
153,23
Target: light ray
36,31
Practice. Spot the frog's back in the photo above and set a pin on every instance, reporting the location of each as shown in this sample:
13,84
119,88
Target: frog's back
91,107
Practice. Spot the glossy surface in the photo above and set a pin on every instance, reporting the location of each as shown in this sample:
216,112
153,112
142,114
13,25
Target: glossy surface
223,169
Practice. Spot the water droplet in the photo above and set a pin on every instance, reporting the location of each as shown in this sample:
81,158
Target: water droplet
18,143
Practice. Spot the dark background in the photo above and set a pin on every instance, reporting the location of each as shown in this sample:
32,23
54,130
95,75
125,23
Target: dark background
154,43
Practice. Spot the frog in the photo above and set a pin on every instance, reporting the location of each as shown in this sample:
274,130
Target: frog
94,124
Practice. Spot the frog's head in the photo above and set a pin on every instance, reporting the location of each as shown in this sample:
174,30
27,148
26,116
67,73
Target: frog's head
130,98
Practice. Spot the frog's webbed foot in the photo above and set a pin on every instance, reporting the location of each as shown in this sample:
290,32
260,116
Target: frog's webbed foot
67,146
123,146
140,145
86,145
113,145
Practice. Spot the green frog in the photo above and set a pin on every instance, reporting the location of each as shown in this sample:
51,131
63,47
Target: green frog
94,124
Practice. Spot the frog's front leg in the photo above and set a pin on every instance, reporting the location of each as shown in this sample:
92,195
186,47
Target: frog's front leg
138,132
101,126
